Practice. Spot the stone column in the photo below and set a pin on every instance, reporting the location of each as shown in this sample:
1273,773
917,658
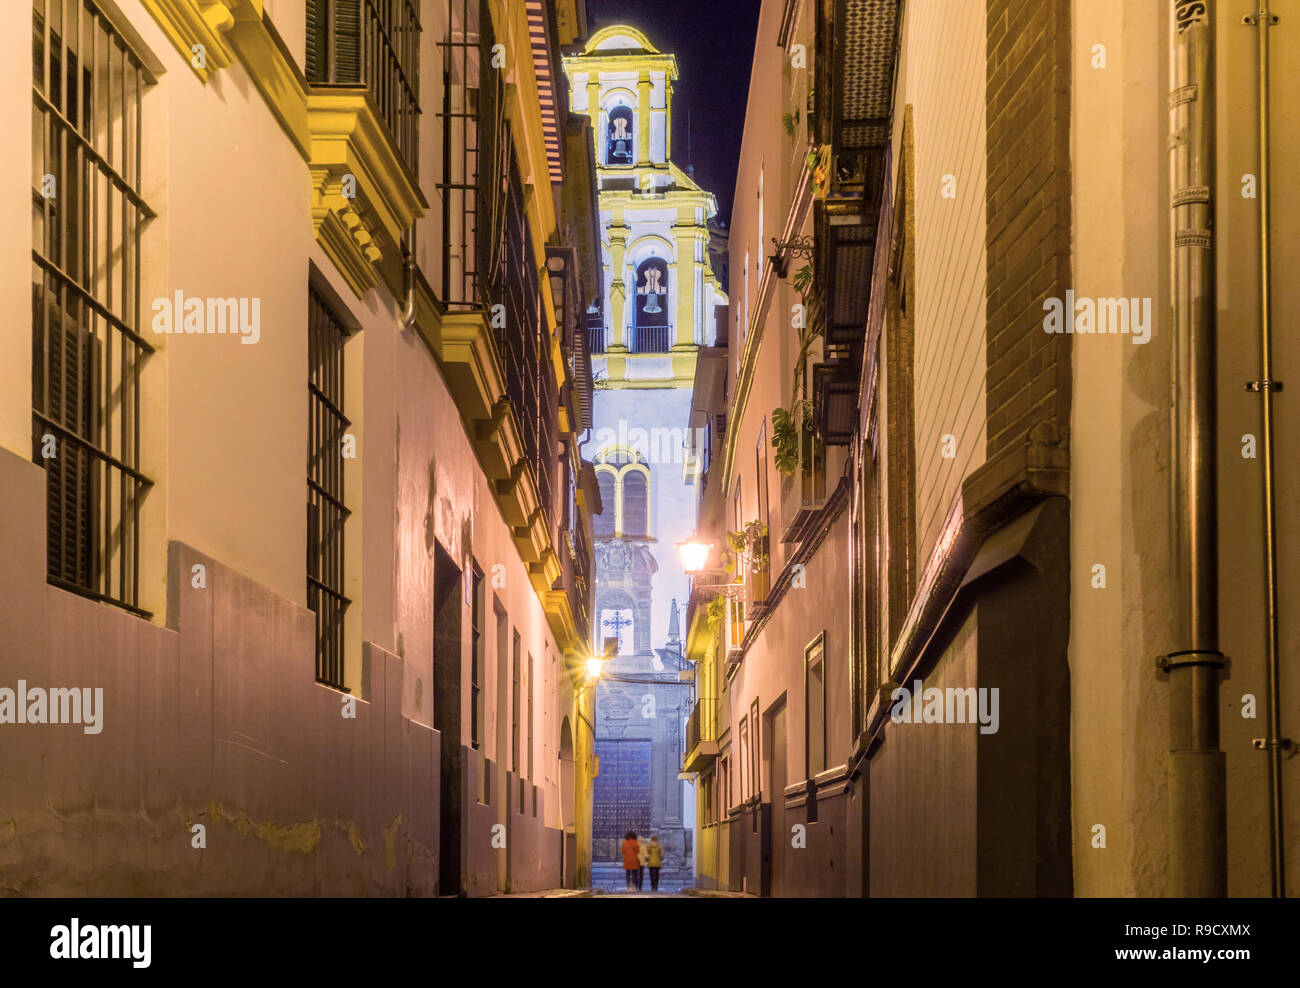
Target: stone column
593,111
617,289
643,115
687,239
668,118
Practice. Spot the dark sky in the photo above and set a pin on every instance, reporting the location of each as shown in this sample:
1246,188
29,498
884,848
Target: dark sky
714,44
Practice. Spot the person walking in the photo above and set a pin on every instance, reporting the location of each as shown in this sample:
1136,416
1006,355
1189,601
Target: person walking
642,853
632,860
654,856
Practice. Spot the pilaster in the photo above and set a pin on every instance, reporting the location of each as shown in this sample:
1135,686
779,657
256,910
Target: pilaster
617,289
643,118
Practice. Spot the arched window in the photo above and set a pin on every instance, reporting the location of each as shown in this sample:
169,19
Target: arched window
651,293
603,523
619,141
634,503
624,494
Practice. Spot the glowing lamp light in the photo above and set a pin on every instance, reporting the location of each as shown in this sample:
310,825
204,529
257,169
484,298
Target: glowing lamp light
694,555
594,666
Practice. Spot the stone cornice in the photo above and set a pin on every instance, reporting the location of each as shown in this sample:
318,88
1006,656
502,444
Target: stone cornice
274,72
626,62
350,146
198,29
363,196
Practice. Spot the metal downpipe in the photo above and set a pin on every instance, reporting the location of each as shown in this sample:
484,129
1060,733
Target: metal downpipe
408,278
1273,742
1197,804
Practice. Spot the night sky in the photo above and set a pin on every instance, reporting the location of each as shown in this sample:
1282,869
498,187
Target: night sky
714,44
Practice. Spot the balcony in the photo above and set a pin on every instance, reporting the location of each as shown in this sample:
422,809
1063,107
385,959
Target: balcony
852,121
641,339
651,339
701,747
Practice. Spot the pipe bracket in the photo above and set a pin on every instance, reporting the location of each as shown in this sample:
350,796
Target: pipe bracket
1192,657
1284,744
1265,385
1250,20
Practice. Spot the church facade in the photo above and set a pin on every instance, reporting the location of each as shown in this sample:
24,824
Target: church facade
659,307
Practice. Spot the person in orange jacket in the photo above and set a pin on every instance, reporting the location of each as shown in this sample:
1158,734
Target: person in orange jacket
631,858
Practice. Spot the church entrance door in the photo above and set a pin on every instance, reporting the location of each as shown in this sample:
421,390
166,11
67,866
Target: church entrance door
622,794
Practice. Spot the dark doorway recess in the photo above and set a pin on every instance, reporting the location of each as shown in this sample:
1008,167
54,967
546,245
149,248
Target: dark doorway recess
447,597
775,789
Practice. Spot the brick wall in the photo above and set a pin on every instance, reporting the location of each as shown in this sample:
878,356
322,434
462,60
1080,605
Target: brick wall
1028,201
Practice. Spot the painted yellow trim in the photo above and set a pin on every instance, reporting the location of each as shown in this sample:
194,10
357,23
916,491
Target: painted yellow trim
510,23
343,232
499,446
516,493
463,345
193,23
616,367
615,31
349,138
273,71
619,472
597,62
643,118
559,614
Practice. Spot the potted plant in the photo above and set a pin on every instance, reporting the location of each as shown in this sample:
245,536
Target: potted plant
751,542
715,611
797,448
795,444
819,161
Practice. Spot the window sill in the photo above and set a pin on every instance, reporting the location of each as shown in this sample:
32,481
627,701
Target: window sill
358,223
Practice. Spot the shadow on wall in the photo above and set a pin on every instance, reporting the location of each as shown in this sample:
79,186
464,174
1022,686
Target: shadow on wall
222,767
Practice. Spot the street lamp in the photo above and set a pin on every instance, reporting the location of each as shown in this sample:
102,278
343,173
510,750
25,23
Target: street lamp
594,665
694,555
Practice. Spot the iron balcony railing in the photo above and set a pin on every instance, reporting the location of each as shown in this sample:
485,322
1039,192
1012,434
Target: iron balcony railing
376,44
652,339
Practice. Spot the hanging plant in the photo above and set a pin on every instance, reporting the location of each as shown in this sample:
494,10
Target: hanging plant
819,161
795,443
802,280
785,442
715,611
750,541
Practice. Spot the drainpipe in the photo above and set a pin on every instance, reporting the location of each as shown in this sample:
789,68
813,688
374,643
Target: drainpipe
408,280
1273,743
1197,805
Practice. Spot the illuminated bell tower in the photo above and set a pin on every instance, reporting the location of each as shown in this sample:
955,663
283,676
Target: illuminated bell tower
660,289
658,308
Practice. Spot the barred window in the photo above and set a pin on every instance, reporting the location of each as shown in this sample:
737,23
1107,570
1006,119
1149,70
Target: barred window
326,509
87,354
376,44
488,256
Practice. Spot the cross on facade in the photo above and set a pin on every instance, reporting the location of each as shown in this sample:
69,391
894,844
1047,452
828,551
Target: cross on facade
616,624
